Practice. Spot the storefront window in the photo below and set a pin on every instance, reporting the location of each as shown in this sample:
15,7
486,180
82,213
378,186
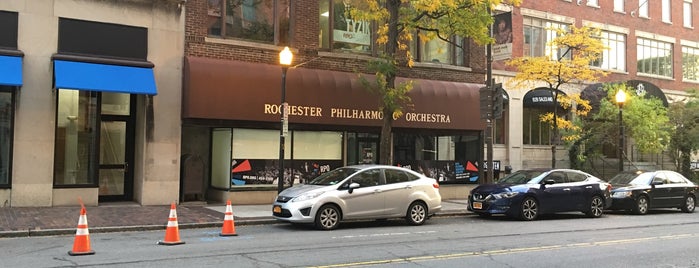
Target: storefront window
449,159
263,21
251,156
535,132
76,138
339,31
6,128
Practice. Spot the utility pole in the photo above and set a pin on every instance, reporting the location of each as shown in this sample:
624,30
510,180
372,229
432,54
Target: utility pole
489,121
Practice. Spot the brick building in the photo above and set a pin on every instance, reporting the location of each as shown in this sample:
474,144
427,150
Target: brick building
652,46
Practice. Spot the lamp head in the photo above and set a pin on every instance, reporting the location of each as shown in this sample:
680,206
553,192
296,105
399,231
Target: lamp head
620,97
285,57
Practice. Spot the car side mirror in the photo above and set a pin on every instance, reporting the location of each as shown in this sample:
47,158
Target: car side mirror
654,183
353,186
549,181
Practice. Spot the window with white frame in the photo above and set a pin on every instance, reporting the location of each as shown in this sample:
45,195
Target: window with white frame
614,56
687,11
619,5
667,11
538,34
593,3
690,63
643,8
654,57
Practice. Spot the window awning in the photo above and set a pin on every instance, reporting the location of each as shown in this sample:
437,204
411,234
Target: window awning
540,98
10,70
103,77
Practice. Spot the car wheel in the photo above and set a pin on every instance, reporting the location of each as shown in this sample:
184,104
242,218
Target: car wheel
529,209
417,213
689,204
596,207
641,205
327,217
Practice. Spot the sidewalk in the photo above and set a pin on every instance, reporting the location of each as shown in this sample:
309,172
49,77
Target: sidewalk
120,217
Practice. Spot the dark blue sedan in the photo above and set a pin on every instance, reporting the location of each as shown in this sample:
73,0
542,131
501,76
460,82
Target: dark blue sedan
526,194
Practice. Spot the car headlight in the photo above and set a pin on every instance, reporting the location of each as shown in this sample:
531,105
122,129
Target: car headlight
621,194
306,196
504,195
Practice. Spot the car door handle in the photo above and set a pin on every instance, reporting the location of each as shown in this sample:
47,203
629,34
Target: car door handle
408,187
588,187
566,189
376,191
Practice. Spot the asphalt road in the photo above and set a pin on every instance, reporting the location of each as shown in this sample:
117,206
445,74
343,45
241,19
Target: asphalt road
660,239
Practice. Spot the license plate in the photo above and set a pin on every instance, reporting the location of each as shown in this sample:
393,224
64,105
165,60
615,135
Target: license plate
477,205
277,209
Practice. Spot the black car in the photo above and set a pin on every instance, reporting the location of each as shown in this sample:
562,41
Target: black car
526,194
639,191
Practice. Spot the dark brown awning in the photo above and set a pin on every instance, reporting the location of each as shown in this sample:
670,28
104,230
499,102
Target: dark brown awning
233,90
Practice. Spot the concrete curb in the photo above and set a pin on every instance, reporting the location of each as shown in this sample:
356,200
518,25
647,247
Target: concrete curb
115,229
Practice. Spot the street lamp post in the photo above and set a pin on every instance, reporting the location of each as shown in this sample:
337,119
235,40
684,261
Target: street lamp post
620,99
285,57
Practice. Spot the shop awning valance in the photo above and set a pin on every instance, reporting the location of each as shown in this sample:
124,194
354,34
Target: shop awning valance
10,70
540,98
103,77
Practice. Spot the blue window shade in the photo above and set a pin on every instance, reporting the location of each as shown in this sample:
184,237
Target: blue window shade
10,71
103,77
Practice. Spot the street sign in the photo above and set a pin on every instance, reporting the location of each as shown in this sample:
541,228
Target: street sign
486,97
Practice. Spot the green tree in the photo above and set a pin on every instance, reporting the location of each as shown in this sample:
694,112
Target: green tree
398,22
581,46
645,122
684,120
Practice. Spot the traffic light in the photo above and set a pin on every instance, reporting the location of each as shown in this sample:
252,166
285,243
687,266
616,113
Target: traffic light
486,102
498,94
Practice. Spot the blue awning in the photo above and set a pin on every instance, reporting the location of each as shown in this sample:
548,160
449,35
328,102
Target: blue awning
10,70
103,77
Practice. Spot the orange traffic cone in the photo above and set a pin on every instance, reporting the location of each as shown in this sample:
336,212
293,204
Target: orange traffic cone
172,233
228,222
81,245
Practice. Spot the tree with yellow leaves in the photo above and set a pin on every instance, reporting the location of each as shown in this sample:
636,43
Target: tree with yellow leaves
580,46
398,21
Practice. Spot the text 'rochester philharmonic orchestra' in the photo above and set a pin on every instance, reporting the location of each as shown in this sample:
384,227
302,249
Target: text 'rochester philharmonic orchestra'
312,111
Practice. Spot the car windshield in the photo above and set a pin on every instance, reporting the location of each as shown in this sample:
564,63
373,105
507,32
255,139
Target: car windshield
631,178
333,177
521,177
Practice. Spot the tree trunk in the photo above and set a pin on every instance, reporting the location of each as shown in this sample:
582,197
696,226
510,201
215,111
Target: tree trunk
390,48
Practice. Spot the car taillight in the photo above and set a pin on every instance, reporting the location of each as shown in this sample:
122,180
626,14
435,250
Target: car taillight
435,185
609,187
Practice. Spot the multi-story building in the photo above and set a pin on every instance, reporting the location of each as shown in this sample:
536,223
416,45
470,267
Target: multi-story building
155,101
233,90
90,97
651,45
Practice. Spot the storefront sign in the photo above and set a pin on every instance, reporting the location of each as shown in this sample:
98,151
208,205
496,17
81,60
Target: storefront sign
311,111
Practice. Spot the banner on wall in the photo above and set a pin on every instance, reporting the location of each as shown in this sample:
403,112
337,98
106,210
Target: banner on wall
502,33
266,171
445,172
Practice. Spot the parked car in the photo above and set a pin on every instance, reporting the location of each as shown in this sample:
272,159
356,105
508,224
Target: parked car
360,192
526,194
638,191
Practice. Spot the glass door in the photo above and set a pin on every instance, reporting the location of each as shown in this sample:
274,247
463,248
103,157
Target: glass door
116,151
362,148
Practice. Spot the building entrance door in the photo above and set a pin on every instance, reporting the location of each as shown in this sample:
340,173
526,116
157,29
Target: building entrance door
363,148
116,152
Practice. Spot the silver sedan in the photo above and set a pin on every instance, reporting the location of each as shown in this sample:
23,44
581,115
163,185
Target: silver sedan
360,192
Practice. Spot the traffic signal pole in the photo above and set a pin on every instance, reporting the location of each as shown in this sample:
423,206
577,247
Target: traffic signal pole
489,121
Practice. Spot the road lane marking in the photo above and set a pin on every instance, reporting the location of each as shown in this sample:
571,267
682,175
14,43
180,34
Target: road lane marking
381,234
503,251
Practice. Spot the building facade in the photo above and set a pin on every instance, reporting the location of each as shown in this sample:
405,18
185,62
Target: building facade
232,96
90,94
651,46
